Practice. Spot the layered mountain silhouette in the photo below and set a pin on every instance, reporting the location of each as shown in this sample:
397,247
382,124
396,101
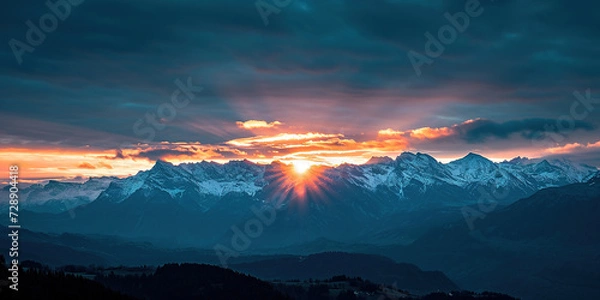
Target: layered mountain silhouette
383,201
545,246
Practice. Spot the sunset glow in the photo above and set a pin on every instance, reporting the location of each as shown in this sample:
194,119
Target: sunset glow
301,166
300,149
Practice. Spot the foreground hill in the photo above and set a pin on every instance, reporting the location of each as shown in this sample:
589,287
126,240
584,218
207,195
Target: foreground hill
44,283
192,281
195,281
371,267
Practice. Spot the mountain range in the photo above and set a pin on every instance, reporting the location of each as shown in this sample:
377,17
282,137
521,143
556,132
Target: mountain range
384,201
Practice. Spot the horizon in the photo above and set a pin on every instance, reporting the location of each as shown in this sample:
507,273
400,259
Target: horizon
81,179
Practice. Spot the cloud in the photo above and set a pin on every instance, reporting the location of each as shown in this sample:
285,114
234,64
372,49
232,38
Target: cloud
162,154
330,67
253,124
477,131
574,148
282,139
104,165
182,151
480,130
328,148
420,133
86,165
588,153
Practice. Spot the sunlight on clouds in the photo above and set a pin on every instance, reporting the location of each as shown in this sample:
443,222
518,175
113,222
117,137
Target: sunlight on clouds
300,150
253,124
38,164
573,147
279,138
431,133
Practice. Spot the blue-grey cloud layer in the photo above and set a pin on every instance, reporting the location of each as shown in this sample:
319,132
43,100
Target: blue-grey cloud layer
111,62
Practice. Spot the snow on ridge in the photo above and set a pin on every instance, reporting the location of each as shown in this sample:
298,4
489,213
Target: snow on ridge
62,196
472,169
205,178
214,179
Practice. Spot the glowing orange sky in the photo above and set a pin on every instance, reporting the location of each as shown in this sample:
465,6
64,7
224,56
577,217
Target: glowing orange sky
266,142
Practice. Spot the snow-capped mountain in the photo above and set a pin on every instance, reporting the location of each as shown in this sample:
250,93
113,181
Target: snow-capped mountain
473,168
202,180
202,200
409,171
509,180
56,196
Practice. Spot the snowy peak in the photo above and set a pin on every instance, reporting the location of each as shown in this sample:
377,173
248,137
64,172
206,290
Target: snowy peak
544,166
473,167
406,154
426,157
161,167
519,161
473,159
375,160
421,167
417,160
572,170
165,175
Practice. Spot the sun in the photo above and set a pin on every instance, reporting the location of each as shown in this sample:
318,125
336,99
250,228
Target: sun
301,166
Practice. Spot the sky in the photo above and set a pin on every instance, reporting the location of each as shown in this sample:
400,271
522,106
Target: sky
95,88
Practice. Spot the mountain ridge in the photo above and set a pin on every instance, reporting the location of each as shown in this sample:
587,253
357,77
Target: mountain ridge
521,175
347,203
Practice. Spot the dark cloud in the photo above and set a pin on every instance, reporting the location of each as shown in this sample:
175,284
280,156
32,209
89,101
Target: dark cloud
478,131
323,66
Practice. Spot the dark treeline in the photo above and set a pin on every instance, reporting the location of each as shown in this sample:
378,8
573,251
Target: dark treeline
195,281
192,281
40,282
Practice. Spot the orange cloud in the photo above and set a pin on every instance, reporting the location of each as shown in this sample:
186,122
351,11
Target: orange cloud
390,132
431,133
104,165
426,133
254,124
281,138
573,147
423,133
86,165
65,163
